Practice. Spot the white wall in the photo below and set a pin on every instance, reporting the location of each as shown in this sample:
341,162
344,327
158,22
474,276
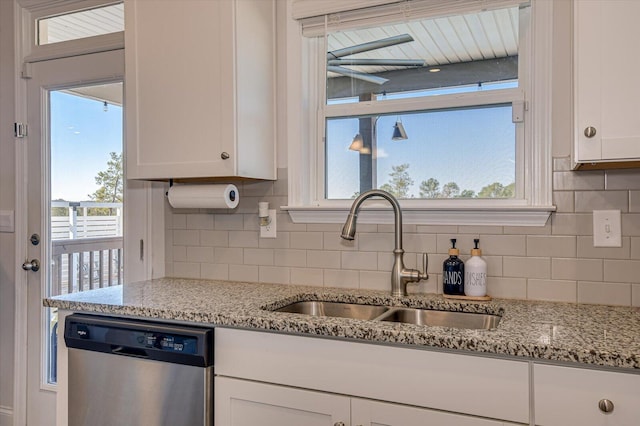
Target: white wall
7,202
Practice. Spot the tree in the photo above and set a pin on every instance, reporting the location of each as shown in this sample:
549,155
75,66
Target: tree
111,184
467,193
497,190
450,190
430,188
400,181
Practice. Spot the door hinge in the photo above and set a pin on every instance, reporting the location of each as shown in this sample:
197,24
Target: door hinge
20,130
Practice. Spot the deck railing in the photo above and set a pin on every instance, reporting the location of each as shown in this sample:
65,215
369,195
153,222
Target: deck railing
86,250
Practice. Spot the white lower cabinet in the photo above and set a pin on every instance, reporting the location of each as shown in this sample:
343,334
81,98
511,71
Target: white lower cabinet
247,403
575,396
280,379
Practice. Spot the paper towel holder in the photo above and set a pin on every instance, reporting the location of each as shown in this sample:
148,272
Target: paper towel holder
263,213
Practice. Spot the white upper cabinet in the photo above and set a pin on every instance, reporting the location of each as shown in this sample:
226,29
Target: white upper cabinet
200,89
606,87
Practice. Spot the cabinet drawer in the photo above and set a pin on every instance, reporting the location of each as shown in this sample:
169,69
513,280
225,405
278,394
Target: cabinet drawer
570,396
479,386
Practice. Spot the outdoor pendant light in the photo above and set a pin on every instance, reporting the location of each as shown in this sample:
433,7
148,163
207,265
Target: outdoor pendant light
357,143
398,131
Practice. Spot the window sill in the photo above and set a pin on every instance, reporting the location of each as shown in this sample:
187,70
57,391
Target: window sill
500,216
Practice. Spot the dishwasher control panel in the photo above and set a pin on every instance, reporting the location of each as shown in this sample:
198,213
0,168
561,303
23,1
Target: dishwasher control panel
143,339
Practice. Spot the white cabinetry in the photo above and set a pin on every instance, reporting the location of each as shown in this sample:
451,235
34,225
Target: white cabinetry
606,88
200,89
246,403
575,396
475,386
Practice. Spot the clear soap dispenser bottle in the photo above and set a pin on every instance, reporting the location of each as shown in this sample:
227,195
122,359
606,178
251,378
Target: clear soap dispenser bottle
453,272
475,280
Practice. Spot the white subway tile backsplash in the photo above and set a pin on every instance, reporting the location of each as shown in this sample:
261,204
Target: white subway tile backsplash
229,222
214,238
366,261
577,269
281,241
247,273
588,201
305,240
186,269
290,257
186,238
552,246
214,271
622,271
584,180
555,262
507,288
332,241
587,250
323,259
228,255
200,254
624,179
552,290
507,245
604,293
199,221
307,276
631,225
375,280
258,256
526,267
274,274
341,278
243,239
375,241
564,201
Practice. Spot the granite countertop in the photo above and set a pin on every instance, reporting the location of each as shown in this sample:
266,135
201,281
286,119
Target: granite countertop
591,335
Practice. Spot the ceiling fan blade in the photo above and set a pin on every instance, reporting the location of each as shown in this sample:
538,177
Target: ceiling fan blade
381,62
372,45
356,74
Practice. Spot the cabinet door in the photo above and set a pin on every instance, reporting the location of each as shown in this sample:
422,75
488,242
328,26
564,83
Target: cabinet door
373,413
571,396
245,403
606,35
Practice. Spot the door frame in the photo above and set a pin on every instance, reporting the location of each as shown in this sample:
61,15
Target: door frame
146,217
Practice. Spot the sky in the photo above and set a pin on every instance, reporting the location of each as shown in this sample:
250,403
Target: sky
82,136
472,148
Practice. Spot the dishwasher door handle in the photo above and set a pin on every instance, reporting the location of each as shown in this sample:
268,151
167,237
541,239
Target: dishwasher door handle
127,351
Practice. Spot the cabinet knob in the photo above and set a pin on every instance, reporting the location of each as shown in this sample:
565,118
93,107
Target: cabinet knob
338,424
605,405
590,131
224,155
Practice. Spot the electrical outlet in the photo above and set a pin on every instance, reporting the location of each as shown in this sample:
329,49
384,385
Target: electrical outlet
269,231
607,229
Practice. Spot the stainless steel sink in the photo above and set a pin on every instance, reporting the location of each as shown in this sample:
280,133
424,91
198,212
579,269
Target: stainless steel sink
416,316
335,309
441,318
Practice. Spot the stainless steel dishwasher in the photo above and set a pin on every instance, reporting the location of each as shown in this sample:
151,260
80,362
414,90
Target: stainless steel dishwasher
138,373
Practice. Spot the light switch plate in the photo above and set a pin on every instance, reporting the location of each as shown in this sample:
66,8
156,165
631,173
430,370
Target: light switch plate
607,228
7,221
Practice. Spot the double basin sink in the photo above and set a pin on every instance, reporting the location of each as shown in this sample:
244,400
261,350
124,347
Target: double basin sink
428,317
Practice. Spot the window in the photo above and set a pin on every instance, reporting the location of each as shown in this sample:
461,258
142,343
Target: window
433,105
76,25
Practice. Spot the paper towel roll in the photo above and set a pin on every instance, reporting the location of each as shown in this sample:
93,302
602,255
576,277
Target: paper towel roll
222,196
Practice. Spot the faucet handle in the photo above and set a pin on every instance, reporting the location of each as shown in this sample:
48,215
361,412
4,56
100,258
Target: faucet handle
425,265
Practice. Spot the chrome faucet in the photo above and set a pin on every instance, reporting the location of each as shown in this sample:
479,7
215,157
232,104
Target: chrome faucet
400,276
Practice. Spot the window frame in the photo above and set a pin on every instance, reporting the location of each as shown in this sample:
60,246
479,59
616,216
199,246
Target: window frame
306,156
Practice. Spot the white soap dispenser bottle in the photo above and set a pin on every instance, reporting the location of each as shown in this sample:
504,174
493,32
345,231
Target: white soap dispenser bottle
475,280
